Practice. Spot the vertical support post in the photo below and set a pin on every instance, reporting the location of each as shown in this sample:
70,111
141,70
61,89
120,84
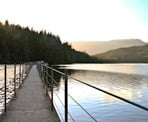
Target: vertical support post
5,88
41,72
52,78
46,79
14,79
44,76
21,72
66,97
20,75
40,69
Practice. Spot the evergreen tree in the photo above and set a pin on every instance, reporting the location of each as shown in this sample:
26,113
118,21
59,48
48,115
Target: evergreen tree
22,44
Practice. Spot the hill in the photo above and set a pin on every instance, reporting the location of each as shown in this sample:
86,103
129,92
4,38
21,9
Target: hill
21,44
131,54
96,47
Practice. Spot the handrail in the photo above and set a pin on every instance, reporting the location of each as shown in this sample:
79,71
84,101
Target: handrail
69,94
66,76
54,70
111,94
71,98
80,106
123,99
17,76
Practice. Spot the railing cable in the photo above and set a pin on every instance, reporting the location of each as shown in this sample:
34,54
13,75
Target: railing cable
123,99
56,94
63,105
80,106
94,87
58,109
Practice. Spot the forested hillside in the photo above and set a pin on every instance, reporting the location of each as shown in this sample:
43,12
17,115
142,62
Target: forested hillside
23,44
131,54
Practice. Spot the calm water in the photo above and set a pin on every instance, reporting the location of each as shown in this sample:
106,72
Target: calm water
129,81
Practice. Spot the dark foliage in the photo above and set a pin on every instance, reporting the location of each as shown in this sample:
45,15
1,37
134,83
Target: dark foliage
23,44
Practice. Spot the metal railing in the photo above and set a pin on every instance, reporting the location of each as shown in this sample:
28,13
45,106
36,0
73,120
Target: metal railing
11,78
47,75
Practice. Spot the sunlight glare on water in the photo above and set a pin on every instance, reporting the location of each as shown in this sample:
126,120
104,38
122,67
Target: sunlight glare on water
118,68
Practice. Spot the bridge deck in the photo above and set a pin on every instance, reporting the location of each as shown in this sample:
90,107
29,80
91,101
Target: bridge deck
31,103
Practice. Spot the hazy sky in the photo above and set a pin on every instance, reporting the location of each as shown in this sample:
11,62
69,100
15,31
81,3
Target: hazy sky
81,19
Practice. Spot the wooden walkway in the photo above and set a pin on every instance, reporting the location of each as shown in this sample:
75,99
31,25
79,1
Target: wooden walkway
31,103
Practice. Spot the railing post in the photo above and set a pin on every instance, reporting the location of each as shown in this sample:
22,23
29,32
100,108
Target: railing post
20,75
14,79
44,75
5,88
66,96
41,71
52,87
46,80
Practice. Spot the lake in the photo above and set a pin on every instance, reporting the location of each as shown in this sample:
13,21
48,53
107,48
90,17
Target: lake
129,81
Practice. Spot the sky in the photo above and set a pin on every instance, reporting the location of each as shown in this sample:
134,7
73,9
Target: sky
80,20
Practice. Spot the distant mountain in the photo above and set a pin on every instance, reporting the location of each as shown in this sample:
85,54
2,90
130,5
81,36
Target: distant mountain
95,47
130,54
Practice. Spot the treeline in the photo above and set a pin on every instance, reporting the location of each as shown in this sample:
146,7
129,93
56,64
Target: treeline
23,44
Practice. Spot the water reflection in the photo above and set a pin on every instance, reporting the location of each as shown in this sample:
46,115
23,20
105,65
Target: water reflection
117,68
131,86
